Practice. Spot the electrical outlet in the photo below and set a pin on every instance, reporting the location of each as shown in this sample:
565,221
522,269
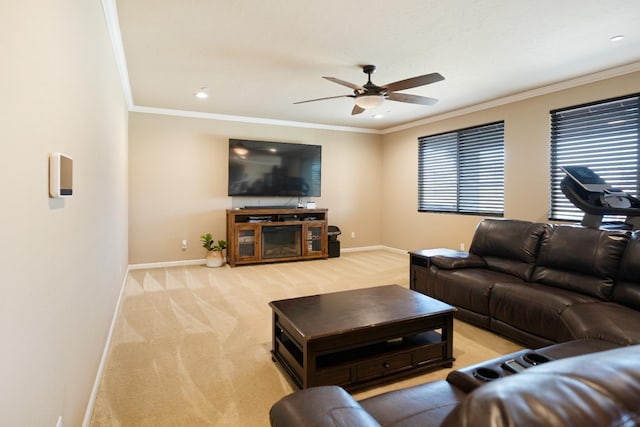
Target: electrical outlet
462,246
353,234
59,423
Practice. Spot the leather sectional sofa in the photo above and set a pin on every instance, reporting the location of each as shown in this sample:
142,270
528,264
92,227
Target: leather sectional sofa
583,383
540,283
573,291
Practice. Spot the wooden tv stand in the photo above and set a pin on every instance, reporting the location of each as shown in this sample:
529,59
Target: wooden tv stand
272,235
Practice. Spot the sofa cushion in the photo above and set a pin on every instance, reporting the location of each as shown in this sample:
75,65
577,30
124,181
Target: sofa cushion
600,389
424,405
467,288
525,338
509,246
604,321
627,288
584,260
534,308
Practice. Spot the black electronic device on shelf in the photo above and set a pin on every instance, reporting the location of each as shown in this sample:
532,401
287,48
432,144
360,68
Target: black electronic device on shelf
592,195
254,207
260,218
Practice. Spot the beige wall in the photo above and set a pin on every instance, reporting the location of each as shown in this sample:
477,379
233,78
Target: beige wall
178,176
178,182
526,166
63,261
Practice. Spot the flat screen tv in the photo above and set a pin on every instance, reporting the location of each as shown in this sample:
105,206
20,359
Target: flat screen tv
263,168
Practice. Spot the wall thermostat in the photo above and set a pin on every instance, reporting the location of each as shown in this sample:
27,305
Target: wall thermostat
60,175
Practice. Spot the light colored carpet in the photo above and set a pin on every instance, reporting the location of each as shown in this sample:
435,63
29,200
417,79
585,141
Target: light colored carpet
192,344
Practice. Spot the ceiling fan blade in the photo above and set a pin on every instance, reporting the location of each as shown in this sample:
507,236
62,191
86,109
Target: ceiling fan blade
412,99
414,82
344,83
322,99
356,110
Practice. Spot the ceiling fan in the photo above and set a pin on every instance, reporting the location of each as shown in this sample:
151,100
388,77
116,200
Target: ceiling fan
370,95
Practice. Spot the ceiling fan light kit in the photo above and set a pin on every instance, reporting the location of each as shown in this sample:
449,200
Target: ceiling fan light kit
369,101
371,96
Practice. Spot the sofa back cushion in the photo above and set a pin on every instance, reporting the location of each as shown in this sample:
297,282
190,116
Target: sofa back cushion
627,288
508,246
581,259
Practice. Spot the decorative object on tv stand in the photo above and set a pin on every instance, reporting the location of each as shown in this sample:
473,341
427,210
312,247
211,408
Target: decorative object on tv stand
215,257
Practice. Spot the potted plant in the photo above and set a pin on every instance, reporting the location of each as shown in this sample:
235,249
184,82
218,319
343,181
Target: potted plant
215,258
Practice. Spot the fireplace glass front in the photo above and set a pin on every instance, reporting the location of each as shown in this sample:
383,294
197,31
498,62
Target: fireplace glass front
281,241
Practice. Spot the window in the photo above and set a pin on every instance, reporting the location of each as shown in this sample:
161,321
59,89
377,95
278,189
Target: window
462,171
602,136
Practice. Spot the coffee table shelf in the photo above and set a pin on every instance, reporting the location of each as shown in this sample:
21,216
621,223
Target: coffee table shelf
402,333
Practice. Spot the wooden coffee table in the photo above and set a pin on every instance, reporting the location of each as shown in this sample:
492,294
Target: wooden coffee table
362,337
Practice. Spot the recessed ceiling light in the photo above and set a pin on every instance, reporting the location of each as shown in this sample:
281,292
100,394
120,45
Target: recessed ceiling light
203,93
378,116
617,38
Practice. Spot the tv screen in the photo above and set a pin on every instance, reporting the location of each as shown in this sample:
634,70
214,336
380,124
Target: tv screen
262,168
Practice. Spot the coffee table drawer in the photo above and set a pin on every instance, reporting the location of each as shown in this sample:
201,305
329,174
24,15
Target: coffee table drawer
384,366
429,353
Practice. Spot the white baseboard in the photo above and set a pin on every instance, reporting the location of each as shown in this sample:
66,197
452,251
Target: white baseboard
396,250
105,353
361,249
375,248
165,264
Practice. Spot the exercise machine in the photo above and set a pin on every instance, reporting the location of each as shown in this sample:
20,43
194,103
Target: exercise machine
592,195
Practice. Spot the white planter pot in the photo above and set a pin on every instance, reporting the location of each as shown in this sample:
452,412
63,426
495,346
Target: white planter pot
214,259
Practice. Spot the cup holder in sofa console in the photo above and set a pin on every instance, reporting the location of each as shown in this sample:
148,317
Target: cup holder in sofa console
533,358
486,374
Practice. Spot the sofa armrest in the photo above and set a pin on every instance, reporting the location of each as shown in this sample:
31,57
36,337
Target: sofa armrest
462,260
326,406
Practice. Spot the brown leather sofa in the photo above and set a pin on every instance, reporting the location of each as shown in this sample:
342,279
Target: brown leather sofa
583,383
540,283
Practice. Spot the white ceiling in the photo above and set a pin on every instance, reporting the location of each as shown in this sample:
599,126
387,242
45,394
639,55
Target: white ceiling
257,57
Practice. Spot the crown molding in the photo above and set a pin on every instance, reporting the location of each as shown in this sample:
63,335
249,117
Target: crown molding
544,90
244,119
111,17
113,26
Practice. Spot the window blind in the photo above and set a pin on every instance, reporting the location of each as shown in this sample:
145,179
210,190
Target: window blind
602,136
462,171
